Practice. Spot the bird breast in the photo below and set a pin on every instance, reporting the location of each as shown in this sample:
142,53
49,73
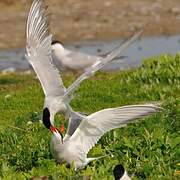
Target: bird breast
57,148
64,152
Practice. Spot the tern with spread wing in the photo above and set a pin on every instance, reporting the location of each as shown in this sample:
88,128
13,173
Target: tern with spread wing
68,60
38,53
76,147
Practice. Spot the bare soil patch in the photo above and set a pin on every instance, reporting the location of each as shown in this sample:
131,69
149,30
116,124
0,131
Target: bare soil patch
77,20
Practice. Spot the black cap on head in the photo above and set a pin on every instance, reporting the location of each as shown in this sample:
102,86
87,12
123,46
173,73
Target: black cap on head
46,118
118,171
56,42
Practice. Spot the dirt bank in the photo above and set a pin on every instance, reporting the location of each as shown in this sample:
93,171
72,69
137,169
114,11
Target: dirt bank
75,20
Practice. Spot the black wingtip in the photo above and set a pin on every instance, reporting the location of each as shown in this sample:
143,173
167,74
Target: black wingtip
118,171
46,118
56,42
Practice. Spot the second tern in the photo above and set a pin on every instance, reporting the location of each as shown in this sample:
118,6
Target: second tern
66,59
76,147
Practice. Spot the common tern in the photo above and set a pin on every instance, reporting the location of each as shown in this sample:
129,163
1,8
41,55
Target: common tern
38,53
68,60
76,147
120,173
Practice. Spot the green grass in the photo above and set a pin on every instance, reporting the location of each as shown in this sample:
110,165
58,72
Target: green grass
148,149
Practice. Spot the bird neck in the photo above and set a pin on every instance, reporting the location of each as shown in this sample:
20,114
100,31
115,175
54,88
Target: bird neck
56,140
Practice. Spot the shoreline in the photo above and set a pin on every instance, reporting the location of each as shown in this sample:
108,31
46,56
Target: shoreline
14,60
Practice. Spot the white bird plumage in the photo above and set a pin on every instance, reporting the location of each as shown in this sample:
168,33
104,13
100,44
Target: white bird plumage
91,129
69,60
76,145
66,59
38,47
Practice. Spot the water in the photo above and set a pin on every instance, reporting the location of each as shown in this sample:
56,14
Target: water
14,59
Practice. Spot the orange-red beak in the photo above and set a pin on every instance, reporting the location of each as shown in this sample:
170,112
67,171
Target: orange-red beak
53,129
62,128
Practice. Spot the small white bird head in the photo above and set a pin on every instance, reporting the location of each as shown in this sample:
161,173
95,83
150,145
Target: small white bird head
48,125
53,105
57,48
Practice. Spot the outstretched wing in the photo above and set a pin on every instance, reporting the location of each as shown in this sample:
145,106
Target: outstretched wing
100,64
38,47
82,60
97,124
74,121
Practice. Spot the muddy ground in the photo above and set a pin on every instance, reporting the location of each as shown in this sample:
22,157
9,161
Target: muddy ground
79,20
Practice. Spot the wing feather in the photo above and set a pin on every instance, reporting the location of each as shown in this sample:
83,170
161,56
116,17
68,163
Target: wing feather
38,48
100,64
97,124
